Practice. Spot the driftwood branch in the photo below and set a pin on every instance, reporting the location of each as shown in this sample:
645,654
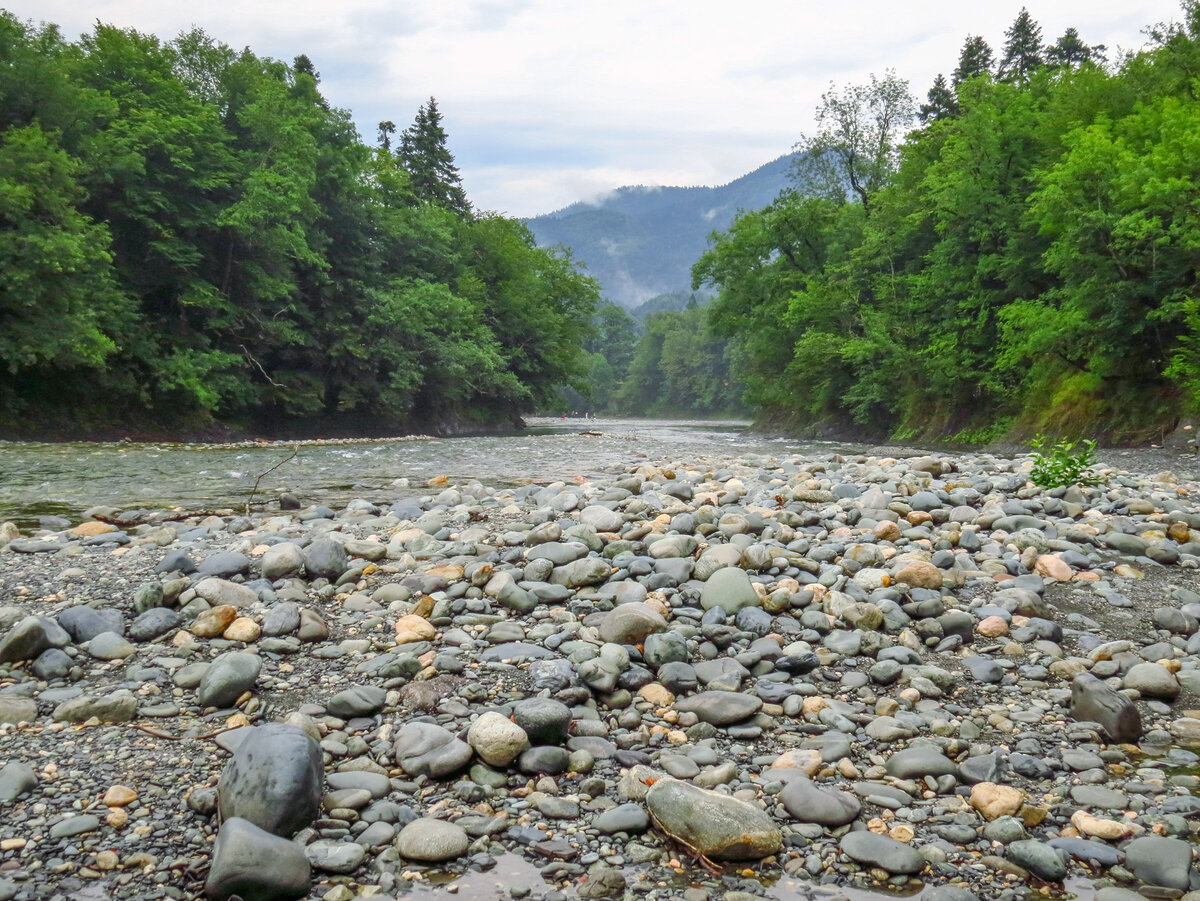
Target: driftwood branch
295,452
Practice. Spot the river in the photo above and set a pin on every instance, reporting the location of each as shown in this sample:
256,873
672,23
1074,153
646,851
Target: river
66,478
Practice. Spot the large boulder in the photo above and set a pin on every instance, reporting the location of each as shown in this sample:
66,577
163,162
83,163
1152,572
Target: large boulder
249,862
718,826
273,780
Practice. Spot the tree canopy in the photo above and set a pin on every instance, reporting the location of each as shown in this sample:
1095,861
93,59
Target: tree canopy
192,234
1024,260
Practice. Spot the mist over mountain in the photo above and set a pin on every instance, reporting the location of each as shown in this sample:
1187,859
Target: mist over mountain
642,241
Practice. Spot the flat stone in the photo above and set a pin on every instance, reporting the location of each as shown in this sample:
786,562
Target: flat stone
362,700
718,826
808,802
882,851
720,708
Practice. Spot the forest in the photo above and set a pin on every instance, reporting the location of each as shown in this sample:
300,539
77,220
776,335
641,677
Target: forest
1017,254
193,237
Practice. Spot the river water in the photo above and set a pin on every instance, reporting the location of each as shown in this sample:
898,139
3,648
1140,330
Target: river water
37,479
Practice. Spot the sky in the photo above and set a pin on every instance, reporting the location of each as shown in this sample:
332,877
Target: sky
546,102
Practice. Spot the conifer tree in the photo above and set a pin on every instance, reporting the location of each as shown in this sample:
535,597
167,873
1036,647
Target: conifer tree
1022,48
942,102
974,59
1070,50
430,165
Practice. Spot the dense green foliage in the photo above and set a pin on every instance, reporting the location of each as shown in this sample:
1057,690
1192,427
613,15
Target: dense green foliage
191,234
1063,463
1027,257
669,363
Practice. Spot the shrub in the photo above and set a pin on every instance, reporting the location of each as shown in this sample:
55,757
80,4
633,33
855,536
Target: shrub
1063,463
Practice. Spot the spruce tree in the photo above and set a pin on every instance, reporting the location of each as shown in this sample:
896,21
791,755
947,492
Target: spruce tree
1022,48
430,165
1070,50
942,102
975,59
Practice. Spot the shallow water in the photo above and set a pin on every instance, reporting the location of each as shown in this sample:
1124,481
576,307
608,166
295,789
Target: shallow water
38,479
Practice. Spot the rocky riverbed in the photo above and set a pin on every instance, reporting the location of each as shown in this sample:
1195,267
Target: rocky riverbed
688,678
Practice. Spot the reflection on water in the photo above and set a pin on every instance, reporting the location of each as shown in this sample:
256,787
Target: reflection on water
40,479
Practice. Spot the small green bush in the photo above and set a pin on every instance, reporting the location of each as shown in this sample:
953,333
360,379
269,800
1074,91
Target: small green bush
1063,463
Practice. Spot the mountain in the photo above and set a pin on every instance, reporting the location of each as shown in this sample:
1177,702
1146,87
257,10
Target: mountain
642,241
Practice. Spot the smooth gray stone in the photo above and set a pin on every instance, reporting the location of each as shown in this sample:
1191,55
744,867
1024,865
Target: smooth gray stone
362,700
15,779
273,780
882,851
333,856
282,619
544,759
718,826
249,862
281,561
808,802
515,650
325,559
76,825
1093,701
432,840
984,669
920,760
664,647
83,623
1156,860
154,622
15,709
624,818
117,707
51,664
224,564
720,708
1083,849
424,749
228,678
730,589
1039,858
376,783
110,646
29,637
631,623
544,720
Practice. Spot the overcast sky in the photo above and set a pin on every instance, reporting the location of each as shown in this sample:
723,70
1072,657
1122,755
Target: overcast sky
551,101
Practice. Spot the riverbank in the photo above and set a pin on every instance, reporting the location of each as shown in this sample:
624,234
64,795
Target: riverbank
707,677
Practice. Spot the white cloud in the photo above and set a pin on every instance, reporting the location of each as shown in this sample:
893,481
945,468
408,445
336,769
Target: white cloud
549,102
